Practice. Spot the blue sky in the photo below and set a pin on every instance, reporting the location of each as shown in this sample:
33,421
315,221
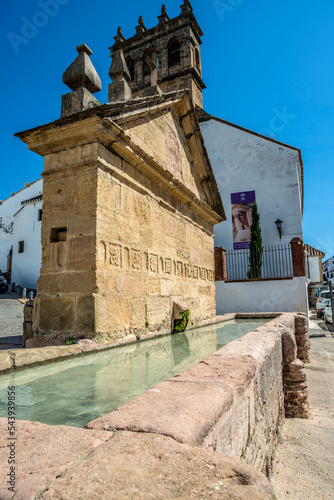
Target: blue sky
259,58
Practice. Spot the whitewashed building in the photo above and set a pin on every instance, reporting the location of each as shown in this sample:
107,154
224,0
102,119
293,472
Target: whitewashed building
20,235
314,264
328,270
251,167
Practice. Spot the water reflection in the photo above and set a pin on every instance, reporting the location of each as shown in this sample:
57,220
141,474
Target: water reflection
75,391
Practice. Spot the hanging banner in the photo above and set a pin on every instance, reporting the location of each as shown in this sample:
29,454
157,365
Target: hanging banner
242,208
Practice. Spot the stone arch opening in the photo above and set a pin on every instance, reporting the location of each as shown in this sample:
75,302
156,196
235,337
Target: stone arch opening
174,52
151,52
131,67
197,59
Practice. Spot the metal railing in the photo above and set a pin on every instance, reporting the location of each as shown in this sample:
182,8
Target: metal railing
276,263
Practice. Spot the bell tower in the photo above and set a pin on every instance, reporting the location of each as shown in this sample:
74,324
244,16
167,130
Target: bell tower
174,48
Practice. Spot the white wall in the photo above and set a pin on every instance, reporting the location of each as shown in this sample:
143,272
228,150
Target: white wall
242,161
8,208
26,266
262,296
314,267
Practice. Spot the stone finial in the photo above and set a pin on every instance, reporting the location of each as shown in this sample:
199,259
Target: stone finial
119,89
141,26
186,7
81,73
82,78
119,37
163,18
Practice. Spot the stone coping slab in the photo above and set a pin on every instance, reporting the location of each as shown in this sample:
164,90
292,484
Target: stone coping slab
19,359
61,463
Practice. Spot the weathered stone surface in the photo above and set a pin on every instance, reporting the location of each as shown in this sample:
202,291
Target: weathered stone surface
43,454
294,372
74,463
87,344
82,78
119,89
237,373
185,411
296,404
76,101
5,363
156,467
56,314
302,330
289,345
304,354
22,357
81,73
27,310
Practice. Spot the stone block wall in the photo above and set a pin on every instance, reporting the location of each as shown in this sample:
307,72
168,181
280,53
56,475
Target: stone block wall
127,229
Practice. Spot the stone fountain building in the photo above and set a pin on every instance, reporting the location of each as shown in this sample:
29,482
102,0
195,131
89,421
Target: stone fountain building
130,199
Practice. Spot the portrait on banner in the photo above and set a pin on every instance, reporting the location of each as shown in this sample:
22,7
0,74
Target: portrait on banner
242,208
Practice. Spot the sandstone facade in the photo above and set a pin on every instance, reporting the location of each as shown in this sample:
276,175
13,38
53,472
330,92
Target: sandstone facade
127,232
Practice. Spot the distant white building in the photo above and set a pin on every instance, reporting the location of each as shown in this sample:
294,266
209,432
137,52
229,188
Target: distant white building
314,264
20,235
328,270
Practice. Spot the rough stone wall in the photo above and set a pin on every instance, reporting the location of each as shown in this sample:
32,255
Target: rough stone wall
150,256
65,302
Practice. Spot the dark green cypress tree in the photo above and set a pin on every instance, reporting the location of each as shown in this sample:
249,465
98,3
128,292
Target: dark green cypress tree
255,249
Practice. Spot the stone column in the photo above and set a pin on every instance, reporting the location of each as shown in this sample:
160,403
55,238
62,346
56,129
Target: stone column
28,321
302,337
294,377
220,264
298,257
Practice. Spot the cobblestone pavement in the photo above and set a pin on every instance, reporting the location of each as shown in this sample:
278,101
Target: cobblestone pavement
11,321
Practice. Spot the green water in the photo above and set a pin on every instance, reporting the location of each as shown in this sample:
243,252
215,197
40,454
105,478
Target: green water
74,392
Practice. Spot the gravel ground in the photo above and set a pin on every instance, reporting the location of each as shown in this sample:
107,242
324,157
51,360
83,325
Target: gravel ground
11,321
305,458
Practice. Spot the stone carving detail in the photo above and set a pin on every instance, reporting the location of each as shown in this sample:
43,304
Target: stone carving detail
209,275
136,260
188,271
115,255
168,266
179,269
133,259
103,252
154,264
82,78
